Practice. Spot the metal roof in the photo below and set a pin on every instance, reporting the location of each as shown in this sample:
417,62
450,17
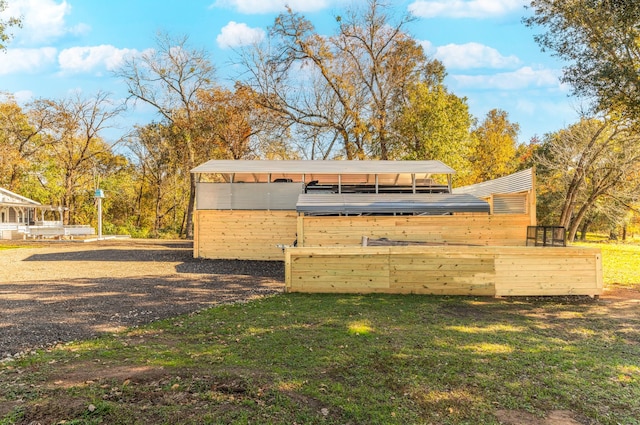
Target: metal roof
357,203
323,167
521,181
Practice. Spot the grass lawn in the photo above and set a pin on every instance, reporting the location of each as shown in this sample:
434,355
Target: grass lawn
8,247
347,359
620,263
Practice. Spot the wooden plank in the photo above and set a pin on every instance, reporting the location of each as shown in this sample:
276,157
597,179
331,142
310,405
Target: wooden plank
599,275
534,292
287,270
546,286
300,230
196,244
339,285
448,289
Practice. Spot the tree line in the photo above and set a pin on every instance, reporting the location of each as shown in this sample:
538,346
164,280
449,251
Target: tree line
368,91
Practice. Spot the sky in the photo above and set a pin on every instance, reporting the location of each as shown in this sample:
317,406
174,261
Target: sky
491,58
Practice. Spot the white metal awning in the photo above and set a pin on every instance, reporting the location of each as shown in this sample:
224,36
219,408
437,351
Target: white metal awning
389,203
323,167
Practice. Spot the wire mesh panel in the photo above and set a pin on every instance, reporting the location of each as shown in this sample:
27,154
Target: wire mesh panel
546,236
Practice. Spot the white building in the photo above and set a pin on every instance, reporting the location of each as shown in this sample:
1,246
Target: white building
21,217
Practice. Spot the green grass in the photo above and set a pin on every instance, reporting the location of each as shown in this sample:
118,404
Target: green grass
335,359
8,247
620,263
346,359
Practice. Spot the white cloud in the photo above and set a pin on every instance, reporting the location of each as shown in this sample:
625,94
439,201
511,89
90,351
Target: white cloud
427,47
27,61
465,8
251,7
88,59
42,20
236,35
525,77
473,55
23,96
526,106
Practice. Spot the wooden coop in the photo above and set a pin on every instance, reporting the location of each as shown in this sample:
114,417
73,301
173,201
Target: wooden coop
384,226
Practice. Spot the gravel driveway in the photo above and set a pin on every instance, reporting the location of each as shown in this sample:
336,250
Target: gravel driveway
62,291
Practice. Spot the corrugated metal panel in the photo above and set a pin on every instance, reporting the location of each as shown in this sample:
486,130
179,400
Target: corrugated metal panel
510,204
247,196
213,196
389,203
521,181
323,167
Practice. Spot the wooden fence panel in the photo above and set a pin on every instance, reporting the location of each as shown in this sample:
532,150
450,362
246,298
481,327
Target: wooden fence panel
549,271
244,235
339,271
486,230
444,270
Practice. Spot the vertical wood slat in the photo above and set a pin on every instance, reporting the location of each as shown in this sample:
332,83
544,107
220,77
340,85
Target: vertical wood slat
196,232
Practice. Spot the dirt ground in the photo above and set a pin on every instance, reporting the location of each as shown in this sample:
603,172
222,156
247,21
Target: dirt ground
56,291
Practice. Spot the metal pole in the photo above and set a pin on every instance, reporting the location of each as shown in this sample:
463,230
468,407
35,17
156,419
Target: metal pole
99,194
100,218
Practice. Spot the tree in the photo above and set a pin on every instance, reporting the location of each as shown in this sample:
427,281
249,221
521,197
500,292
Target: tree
344,88
158,165
20,142
5,25
590,163
169,79
599,40
75,153
234,122
494,151
525,153
434,124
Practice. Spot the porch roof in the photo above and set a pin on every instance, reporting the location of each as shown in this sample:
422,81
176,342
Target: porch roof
10,198
21,205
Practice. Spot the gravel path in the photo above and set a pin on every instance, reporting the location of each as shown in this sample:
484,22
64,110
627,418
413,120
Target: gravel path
62,291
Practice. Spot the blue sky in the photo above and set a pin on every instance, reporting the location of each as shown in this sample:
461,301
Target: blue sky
490,56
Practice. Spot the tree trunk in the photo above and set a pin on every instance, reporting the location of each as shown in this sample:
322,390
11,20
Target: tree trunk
570,200
583,231
190,208
581,169
139,197
156,221
577,220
